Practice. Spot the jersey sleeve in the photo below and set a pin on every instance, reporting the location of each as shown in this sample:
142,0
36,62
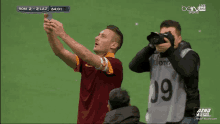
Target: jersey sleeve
114,66
79,62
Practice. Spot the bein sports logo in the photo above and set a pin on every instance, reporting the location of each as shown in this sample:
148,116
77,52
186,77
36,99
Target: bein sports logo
193,9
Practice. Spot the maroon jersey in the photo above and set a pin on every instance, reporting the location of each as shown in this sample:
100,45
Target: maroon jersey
95,88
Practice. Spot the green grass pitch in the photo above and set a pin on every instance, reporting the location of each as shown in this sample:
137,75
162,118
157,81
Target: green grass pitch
37,87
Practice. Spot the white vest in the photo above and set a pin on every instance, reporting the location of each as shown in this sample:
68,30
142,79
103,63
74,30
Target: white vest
167,97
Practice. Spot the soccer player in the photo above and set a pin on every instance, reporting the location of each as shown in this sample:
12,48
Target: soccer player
100,72
174,73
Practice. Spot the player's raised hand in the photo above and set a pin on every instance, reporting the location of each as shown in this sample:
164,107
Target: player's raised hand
47,24
57,27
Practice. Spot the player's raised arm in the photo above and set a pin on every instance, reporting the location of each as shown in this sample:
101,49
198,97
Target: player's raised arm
81,51
57,47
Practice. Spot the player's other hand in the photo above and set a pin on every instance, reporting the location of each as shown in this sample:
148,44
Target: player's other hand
57,27
47,24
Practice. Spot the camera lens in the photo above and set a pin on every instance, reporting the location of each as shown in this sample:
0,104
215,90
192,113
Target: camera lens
155,40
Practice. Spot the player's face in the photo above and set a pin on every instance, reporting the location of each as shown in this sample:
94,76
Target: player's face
178,38
103,41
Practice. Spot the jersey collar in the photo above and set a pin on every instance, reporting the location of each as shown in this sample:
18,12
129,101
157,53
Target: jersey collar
110,55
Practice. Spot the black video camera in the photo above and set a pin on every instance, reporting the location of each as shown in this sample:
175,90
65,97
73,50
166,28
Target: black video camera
158,38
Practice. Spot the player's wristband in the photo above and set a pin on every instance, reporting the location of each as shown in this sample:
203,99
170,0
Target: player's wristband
101,65
106,66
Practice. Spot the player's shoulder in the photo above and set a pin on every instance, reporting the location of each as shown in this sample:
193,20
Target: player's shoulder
114,60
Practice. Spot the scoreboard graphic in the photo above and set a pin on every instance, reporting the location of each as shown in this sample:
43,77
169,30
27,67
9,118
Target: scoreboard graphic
43,9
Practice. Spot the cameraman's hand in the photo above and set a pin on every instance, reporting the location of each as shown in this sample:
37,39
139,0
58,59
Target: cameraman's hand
164,46
47,24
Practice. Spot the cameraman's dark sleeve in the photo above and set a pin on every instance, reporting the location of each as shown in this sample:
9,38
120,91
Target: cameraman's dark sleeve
186,66
140,63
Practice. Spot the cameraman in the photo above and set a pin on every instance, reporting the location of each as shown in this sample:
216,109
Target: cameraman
174,71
